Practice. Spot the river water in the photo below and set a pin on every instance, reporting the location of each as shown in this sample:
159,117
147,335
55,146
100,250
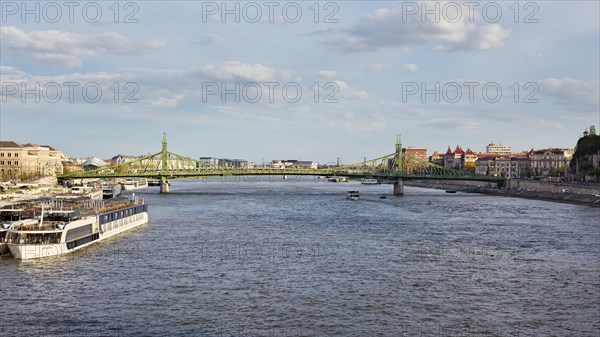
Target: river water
266,257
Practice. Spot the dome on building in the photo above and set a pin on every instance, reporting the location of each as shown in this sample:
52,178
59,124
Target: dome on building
592,130
96,162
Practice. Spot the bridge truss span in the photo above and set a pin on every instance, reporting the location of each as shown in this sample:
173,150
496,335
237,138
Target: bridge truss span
166,166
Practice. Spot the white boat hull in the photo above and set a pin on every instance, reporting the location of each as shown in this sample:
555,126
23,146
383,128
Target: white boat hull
129,186
29,251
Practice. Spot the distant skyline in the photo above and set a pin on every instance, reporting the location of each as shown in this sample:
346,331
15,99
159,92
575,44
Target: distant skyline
163,66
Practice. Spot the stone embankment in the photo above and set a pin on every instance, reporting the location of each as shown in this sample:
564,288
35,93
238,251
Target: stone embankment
581,194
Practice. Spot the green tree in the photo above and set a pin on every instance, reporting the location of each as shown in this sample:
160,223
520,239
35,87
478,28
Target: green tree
594,172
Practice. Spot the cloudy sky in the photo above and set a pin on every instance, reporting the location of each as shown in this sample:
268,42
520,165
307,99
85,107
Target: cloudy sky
303,80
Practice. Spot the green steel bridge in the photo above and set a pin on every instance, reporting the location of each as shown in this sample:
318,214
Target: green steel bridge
392,168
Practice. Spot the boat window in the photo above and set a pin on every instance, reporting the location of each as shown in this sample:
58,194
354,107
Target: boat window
76,233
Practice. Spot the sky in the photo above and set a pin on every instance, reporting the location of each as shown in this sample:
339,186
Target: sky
297,80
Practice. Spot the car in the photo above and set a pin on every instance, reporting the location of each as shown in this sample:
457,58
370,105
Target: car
597,195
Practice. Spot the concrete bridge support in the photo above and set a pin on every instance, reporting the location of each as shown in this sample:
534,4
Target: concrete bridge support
164,186
398,188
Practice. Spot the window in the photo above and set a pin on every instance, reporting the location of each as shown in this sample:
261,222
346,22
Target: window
1,154
16,163
9,154
9,163
16,154
77,233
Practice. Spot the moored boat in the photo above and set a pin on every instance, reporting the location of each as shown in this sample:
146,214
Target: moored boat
7,217
134,184
57,232
154,182
369,181
109,192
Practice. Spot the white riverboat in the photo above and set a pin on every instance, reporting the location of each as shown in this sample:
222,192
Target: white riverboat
134,184
7,217
109,191
369,181
57,232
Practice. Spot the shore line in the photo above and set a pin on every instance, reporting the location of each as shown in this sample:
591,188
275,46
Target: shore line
568,198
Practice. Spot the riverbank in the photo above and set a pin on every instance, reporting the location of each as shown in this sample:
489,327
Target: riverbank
485,188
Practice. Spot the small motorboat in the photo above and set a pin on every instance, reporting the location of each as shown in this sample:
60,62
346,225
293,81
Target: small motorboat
450,191
352,195
382,197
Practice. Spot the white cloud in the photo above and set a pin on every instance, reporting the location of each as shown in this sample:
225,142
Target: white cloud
411,67
378,67
571,93
489,37
388,28
65,49
235,70
540,123
167,102
326,73
346,91
215,39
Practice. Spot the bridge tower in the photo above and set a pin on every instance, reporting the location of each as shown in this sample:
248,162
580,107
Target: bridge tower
164,161
398,185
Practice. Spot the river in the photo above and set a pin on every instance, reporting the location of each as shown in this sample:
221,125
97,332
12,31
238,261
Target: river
266,257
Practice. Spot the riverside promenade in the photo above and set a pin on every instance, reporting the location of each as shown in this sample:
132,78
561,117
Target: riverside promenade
580,194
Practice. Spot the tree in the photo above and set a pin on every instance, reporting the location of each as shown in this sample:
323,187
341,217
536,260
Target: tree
470,166
594,172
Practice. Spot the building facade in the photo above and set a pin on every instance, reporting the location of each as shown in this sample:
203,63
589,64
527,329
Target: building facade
458,158
419,153
294,164
29,161
437,158
498,148
550,162
509,166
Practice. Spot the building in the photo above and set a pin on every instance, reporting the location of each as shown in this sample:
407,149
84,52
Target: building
93,164
498,148
70,166
437,158
550,162
308,165
592,131
237,163
469,160
123,158
454,159
509,165
209,162
294,164
419,153
29,161
415,158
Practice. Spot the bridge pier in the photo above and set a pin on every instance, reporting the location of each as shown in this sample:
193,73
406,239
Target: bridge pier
164,185
398,187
